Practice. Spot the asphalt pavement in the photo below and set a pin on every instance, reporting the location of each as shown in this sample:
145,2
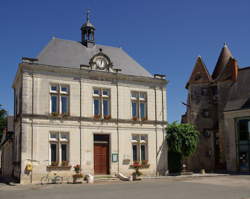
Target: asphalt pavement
220,187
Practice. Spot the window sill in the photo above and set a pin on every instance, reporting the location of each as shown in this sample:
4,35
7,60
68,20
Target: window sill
59,115
97,117
50,167
140,166
135,119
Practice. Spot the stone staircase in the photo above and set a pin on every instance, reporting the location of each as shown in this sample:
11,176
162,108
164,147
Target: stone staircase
105,178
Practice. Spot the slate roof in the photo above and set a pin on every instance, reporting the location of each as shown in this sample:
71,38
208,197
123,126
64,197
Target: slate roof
59,52
200,69
223,59
239,93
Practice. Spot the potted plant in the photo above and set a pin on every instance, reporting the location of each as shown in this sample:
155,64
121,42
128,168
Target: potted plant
65,163
77,175
143,119
54,114
64,114
54,163
96,117
144,164
77,168
107,117
135,118
136,165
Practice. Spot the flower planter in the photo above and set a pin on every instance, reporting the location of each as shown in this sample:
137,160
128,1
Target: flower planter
77,178
65,163
97,117
134,118
54,164
107,117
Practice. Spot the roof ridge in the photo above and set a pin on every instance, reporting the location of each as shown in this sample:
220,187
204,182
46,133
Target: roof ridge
56,38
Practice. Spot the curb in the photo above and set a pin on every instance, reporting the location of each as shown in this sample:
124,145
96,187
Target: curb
183,176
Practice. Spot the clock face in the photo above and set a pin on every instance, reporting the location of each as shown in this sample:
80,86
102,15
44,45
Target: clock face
101,62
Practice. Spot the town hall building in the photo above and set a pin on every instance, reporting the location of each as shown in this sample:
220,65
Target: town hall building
81,103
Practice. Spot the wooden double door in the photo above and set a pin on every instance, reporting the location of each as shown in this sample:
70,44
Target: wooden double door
101,154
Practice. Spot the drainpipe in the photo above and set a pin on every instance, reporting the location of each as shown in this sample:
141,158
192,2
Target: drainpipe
163,114
14,130
156,137
117,119
21,132
80,120
32,127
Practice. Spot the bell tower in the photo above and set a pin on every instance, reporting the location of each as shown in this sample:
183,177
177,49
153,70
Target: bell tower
88,32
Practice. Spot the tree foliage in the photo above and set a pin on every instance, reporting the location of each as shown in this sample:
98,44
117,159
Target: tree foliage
3,120
182,138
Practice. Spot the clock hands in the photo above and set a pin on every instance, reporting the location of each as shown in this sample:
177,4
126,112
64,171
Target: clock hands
100,63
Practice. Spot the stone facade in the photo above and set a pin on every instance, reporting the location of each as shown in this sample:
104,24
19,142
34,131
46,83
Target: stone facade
6,150
35,122
215,105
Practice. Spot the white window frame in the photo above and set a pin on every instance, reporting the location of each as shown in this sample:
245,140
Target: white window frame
138,99
59,93
59,141
101,98
139,142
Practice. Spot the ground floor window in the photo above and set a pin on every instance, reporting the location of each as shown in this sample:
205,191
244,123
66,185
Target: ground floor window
244,144
59,148
140,148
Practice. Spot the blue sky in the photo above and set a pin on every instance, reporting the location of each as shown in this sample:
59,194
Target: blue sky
165,36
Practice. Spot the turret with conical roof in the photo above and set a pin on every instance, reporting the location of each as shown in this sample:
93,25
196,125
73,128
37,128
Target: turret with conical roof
200,73
88,32
223,59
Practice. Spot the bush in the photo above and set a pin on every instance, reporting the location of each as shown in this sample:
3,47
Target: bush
174,162
182,142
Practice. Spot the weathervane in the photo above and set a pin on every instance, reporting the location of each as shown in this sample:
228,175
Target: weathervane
87,14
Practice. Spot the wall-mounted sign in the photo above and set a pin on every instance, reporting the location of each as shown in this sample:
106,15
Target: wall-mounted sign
126,161
114,157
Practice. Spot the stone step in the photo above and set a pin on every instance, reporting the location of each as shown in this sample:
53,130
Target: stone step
105,178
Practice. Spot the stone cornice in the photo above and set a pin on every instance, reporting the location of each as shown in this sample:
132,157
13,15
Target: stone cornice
90,74
90,119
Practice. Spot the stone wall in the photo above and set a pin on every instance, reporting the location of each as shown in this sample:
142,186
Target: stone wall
37,125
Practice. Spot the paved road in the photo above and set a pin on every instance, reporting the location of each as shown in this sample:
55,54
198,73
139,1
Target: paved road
228,187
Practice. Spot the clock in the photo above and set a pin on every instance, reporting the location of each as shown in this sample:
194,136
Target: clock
101,63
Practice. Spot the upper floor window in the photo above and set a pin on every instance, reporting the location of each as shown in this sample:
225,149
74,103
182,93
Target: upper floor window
139,105
101,103
59,99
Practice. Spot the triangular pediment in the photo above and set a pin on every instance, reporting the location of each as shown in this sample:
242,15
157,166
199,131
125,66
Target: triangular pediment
200,73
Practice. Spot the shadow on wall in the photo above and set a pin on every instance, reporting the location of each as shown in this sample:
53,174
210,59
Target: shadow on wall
162,166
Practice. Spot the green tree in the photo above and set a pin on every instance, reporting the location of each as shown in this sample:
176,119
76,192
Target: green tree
182,142
3,120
